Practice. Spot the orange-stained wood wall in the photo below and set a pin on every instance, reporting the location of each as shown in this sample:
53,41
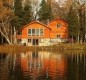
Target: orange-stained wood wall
62,31
36,25
50,31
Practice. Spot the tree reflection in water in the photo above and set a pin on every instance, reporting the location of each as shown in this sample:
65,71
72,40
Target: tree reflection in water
43,65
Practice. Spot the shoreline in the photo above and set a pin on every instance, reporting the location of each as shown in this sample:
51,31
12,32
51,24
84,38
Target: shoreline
20,48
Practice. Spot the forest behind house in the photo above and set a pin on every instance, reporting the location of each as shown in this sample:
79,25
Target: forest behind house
14,14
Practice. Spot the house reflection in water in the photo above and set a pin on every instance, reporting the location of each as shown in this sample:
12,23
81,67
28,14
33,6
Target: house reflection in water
41,65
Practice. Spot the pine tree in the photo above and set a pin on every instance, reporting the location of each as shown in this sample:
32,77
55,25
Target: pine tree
81,12
18,8
45,12
50,14
73,23
27,13
22,13
17,21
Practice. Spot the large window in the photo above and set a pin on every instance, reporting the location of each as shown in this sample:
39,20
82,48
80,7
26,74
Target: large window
29,32
35,32
41,32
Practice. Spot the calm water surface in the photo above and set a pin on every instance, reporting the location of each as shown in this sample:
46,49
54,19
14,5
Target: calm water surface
43,65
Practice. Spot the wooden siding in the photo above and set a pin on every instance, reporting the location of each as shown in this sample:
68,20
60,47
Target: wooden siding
62,31
36,25
49,32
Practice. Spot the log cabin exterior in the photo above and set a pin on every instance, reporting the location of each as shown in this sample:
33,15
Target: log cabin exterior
38,34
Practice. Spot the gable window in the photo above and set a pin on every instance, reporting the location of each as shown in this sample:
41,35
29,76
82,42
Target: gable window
58,25
58,36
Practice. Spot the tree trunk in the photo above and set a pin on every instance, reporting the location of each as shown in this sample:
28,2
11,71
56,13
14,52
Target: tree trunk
6,37
78,38
15,40
8,41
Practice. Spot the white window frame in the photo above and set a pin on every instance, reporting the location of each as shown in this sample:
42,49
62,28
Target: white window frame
39,34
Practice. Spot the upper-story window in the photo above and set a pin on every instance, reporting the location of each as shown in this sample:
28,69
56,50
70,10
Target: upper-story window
58,36
59,25
35,32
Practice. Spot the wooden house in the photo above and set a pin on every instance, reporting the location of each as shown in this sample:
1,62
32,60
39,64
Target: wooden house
34,33
38,34
59,30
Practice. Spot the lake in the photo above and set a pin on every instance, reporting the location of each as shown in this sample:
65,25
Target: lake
43,65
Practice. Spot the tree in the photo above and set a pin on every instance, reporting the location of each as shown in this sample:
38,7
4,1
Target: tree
60,8
45,12
27,13
81,13
49,5
23,13
18,7
5,18
73,22
80,7
35,4
18,11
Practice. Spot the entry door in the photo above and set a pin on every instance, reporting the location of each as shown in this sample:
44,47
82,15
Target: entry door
35,42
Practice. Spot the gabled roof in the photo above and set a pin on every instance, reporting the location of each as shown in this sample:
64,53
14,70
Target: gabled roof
37,23
57,20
